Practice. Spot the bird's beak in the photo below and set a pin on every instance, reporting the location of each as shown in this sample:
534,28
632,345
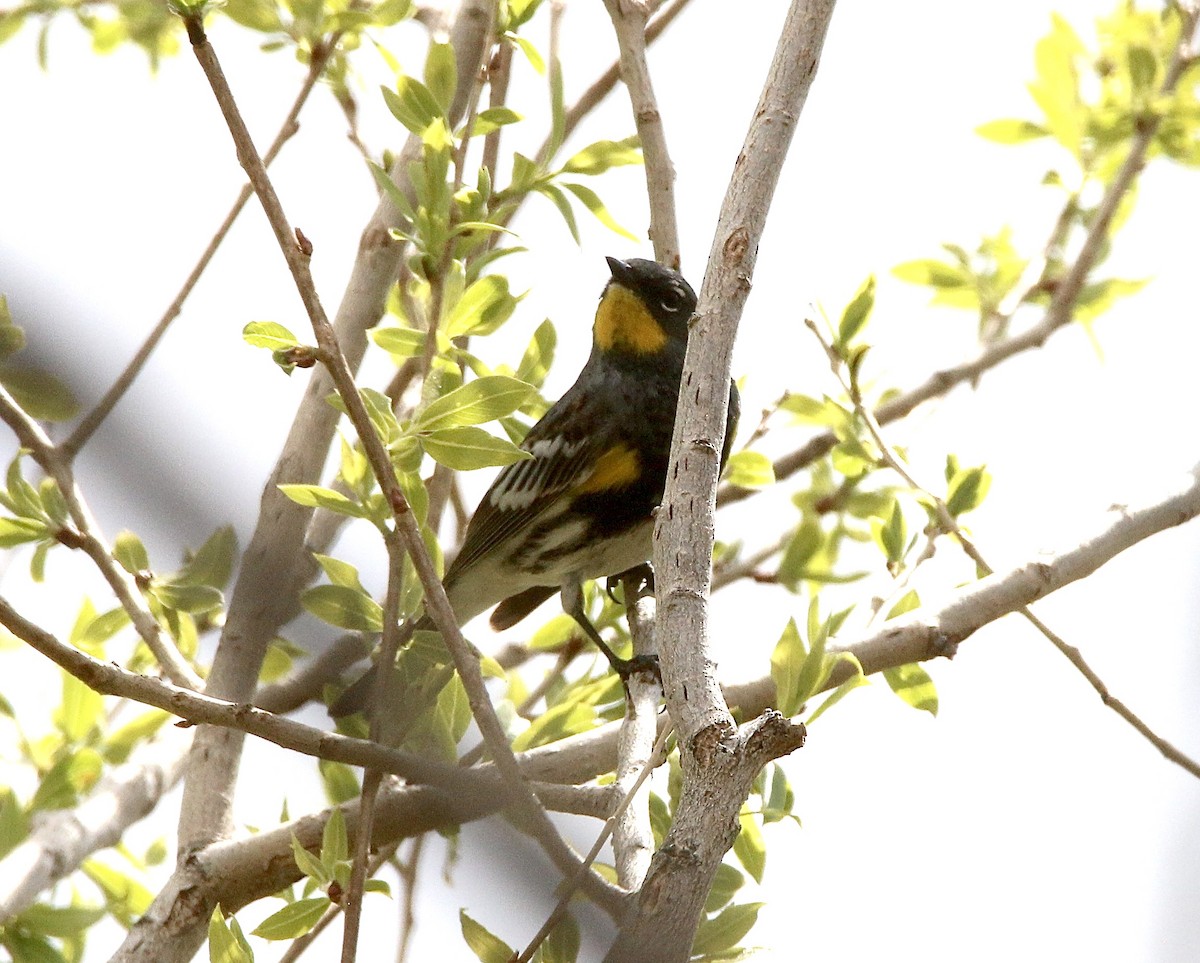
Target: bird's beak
620,270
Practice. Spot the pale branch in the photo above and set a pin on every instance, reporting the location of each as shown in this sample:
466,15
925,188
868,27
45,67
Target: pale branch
385,689
1075,657
1065,289
94,418
238,872
306,683
85,538
63,838
633,838
684,525
628,796
603,85
719,760
629,19
202,709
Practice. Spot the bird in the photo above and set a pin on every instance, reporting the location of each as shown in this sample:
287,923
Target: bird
582,506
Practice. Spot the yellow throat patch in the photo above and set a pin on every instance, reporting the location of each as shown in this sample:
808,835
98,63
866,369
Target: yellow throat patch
624,323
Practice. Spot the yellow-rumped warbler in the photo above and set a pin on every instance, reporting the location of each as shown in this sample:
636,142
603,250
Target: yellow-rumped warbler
582,506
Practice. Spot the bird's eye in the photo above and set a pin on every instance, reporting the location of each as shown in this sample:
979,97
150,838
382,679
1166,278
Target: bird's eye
672,300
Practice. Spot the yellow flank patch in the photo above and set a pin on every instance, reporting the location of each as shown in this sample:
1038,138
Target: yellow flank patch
623,322
616,468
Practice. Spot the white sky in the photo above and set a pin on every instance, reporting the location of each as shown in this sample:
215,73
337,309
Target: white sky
1026,821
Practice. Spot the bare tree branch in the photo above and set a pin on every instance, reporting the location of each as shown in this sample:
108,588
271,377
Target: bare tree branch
629,21
64,838
719,761
86,538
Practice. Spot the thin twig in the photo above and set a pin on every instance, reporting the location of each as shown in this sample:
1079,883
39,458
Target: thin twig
85,537
385,685
603,85
568,888
629,21
949,524
302,943
83,431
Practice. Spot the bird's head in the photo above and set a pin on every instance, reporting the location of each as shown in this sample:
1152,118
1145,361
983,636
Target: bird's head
643,308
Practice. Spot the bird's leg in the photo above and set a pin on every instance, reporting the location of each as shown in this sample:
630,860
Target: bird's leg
642,575
572,601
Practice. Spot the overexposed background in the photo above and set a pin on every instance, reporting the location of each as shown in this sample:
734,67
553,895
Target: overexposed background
1026,821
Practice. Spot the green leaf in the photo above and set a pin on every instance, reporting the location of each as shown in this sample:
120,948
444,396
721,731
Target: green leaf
539,355
260,15
344,607
892,535
787,664
750,847
559,199
268,334
413,105
565,719
26,948
493,119
488,948
339,572
932,273
80,711
14,821
183,597
852,683
56,790
530,51
394,194
604,154
592,202
140,728
335,845
857,312
727,881
310,865
317,496
19,531
908,601
913,684
212,562
61,922
468,448
440,75
401,342
130,553
226,945
339,781
126,898
40,395
749,469
295,919
479,401
562,943
1011,131
482,308
967,490
725,930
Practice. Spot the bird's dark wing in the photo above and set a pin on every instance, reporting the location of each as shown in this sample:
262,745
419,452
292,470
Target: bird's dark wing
562,459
